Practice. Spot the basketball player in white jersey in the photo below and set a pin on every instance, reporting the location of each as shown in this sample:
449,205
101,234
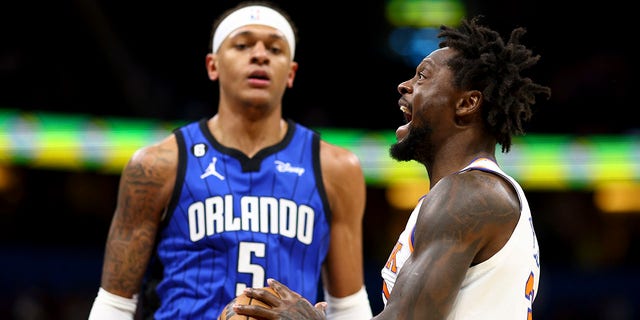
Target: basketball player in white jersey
469,250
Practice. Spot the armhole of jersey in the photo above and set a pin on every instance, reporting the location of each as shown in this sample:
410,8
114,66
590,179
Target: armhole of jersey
317,168
180,172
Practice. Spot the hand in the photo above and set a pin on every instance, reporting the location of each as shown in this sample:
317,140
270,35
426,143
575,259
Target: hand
290,306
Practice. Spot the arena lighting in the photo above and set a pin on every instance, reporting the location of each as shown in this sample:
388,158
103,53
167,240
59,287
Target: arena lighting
538,161
74,142
617,197
412,45
424,13
7,179
405,195
416,24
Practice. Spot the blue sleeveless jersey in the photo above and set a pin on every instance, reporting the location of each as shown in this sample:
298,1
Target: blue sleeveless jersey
235,221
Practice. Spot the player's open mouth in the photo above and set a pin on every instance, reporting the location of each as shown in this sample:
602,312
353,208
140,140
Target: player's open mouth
259,74
407,113
259,79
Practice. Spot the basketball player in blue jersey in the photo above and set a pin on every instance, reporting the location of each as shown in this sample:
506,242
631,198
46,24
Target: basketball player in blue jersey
226,202
469,249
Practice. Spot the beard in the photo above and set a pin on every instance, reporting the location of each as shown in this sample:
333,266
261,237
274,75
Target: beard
415,146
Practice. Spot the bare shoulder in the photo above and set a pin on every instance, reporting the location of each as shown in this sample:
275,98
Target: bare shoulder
151,171
477,208
490,193
157,156
477,192
343,180
338,161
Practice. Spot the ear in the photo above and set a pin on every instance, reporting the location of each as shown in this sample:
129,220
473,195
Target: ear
292,74
211,63
469,103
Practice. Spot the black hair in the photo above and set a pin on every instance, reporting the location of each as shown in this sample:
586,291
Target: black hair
485,62
243,4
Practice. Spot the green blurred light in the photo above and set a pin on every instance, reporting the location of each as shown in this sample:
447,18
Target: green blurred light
537,161
424,13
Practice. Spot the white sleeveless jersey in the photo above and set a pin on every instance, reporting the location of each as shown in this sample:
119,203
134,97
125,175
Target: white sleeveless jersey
502,287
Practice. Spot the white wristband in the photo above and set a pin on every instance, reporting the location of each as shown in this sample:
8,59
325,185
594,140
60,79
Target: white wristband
353,307
108,306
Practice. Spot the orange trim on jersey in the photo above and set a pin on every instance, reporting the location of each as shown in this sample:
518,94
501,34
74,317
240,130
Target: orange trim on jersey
410,240
385,290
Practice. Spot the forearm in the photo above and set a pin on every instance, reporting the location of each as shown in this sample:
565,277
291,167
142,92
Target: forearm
125,263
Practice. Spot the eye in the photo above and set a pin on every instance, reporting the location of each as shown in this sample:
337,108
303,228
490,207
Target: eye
421,75
240,46
275,50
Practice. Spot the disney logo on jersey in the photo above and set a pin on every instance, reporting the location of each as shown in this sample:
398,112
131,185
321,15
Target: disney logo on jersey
287,167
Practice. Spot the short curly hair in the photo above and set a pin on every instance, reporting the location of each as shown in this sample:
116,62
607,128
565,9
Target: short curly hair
486,63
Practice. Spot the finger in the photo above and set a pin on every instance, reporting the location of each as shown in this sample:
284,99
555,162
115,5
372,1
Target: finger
282,290
275,284
262,295
322,307
256,311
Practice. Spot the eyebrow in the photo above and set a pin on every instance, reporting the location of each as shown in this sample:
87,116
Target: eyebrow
427,62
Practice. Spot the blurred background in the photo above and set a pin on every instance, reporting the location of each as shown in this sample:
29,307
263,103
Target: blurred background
86,82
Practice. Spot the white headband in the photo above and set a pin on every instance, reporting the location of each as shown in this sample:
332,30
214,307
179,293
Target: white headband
254,15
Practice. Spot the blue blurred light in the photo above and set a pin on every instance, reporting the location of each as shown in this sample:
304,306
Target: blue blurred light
413,44
417,25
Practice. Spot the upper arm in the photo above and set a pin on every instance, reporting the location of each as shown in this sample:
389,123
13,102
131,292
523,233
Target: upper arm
346,191
145,188
464,220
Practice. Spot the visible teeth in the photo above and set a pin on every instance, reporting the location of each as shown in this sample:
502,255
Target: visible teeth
405,109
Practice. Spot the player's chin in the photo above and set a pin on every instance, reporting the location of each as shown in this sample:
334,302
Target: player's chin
403,131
